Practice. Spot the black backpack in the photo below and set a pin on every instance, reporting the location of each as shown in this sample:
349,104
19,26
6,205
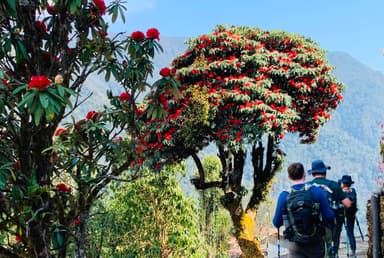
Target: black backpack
336,206
303,220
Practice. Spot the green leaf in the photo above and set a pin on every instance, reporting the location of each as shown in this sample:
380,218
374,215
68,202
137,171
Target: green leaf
21,48
121,9
2,182
74,6
11,7
1,105
56,105
37,114
115,11
61,91
57,239
74,161
18,89
107,75
69,91
44,100
27,99
49,115
7,45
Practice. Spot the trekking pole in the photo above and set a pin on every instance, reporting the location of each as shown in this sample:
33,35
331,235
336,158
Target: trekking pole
358,226
278,242
332,243
346,234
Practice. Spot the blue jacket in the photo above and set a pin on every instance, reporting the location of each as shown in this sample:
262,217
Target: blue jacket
319,195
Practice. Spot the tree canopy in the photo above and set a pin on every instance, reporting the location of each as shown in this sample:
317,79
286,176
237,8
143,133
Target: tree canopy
241,83
243,86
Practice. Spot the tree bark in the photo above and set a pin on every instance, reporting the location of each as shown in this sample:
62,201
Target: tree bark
244,224
243,221
81,235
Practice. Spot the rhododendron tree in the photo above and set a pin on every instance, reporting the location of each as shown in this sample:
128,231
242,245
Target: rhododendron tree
51,172
243,89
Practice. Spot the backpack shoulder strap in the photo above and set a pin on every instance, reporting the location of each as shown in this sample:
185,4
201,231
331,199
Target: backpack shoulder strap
324,187
307,186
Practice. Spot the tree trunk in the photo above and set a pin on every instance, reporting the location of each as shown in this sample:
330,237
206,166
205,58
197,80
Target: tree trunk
81,235
244,224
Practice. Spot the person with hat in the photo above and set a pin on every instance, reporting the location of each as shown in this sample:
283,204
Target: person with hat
337,200
350,213
313,248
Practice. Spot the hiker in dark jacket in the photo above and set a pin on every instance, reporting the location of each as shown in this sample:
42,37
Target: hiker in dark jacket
337,199
296,175
350,213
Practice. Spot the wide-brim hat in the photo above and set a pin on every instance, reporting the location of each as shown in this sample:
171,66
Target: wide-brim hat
318,167
346,179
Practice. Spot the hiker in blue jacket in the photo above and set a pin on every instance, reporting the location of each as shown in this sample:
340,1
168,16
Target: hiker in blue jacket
315,249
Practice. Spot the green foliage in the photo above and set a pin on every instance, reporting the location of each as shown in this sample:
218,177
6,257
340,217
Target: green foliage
215,223
50,176
147,218
50,102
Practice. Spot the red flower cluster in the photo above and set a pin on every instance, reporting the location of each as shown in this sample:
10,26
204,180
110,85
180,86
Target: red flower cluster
125,96
165,72
51,10
138,36
59,131
153,33
92,115
41,26
63,188
18,238
5,83
100,5
39,82
77,220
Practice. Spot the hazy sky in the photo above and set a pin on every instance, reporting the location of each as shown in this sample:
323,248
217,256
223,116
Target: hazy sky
353,26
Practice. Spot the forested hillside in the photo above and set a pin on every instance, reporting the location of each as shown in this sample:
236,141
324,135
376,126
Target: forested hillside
349,143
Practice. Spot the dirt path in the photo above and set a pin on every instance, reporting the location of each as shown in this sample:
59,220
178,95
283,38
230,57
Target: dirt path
270,248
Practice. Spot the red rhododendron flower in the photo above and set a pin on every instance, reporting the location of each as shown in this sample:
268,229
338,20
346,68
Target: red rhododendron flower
63,188
168,136
51,10
138,36
238,135
165,72
125,96
39,82
5,82
92,115
76,221
59,131
153,33
100,4
17,238
16,165
138,111
41,25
